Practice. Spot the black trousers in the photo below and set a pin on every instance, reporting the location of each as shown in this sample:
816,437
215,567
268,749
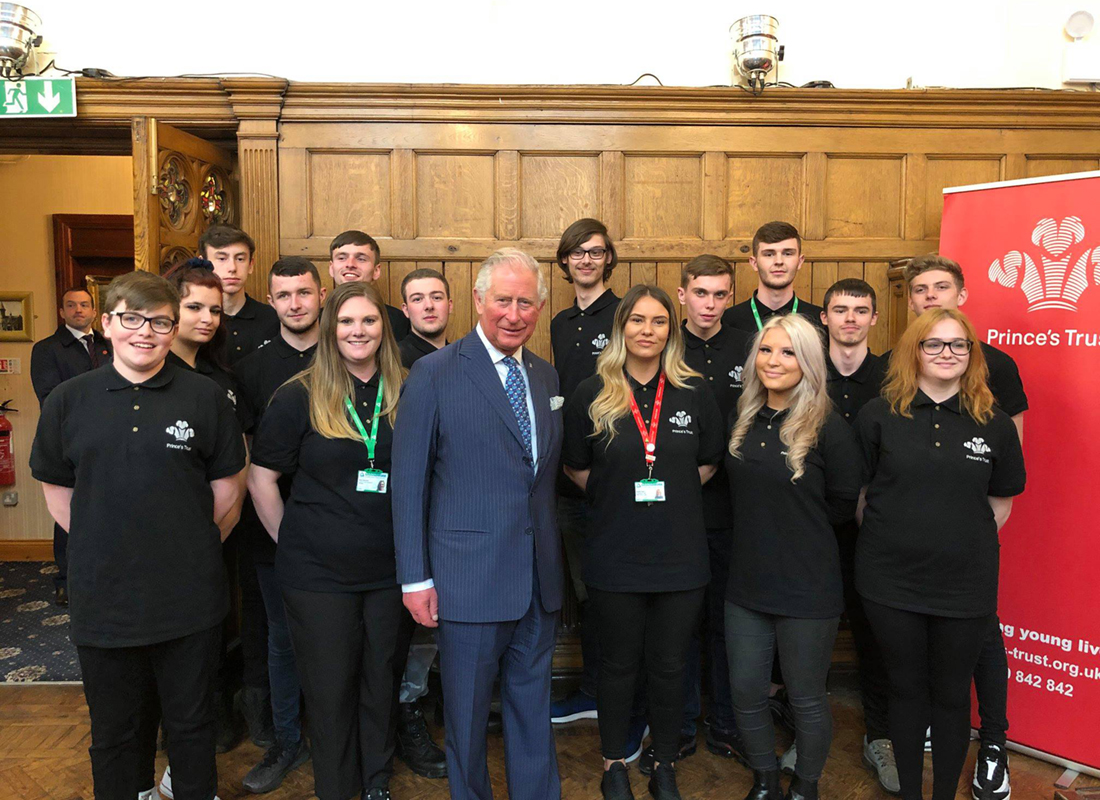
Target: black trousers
122,684
60,557
351,649
874,686
930,661
991,686
254,633
654,629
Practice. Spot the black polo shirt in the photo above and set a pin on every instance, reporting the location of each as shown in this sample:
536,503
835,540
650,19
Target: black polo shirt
785,557
929,541
399,322
226,380
145,557
332,538
646,547
413,348
259,374
1004,379
850,393
720,360
740,316
578,336
249,329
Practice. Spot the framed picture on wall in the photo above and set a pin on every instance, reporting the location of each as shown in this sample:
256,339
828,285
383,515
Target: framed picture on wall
16,317
97,287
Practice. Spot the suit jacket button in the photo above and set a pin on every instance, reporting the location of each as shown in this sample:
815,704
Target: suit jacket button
530,531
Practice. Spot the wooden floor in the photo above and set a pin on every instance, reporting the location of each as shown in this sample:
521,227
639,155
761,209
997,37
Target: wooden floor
44,738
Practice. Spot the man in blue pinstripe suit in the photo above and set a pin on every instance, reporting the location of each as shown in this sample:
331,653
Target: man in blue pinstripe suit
475,455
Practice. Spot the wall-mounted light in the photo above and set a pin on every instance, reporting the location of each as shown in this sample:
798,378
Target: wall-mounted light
756,49
19,36
1081,58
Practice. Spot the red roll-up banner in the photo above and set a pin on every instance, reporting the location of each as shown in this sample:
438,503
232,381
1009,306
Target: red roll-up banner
1030,250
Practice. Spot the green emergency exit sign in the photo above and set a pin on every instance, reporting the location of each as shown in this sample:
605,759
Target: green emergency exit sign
38,97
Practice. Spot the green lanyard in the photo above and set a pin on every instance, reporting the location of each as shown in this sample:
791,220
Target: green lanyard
371,440
756,314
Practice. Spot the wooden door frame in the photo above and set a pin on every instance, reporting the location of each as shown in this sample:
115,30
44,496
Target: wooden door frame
63,227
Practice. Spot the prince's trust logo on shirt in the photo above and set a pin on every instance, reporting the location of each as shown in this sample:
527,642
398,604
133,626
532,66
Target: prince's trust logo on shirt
735,375
182,431
599,343
681,420
978,446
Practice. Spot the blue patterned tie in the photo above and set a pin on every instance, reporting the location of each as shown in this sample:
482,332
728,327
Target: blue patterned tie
517,396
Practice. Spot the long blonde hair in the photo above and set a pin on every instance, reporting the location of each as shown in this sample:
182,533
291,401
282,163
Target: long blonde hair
613,401
810,403
327,379
903,375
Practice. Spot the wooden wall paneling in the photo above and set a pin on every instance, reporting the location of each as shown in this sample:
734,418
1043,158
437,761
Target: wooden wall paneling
557,189
383,283
815,191
294,199
914,196
851,269
864,197
460,277
1042,165
745,281
612,191
804,280
874,272
455,193
507,174
146,239
715,196
257,158
403,193
668,278
749,204
663,196
539,343
643,272
350,190
823,275
1015,167
943,171
620,278
398,271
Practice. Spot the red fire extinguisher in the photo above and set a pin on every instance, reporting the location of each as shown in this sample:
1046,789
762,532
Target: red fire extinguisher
7,446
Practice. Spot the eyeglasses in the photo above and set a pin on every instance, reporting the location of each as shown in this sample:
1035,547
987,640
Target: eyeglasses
934,347
596,253
132,321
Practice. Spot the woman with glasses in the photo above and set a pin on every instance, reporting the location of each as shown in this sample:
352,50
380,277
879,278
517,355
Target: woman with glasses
941,465
332,426
793,469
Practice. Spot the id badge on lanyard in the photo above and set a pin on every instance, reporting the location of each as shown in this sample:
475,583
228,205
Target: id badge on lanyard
649,490
369,480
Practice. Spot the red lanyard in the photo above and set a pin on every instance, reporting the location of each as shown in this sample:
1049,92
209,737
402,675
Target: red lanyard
649,439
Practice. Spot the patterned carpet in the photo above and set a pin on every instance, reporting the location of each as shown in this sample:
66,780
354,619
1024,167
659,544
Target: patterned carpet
34,633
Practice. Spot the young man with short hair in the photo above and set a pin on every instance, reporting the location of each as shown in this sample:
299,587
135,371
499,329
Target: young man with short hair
854,377
296,295
73,349
355,256
426,303
586,256
776,258
148,492
937,282
717,352
249,323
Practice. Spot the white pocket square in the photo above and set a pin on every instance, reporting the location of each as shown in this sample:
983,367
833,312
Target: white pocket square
556,402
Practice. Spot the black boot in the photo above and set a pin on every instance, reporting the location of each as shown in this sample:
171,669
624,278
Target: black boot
414,743
254,704
615,784
228,731
802,790
765,785
662,784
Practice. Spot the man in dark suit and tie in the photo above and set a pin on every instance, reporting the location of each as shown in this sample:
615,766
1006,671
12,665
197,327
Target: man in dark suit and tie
74,348
475,455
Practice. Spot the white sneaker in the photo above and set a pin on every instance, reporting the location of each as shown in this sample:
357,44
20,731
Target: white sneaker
166,784
149,794
928,740
789,759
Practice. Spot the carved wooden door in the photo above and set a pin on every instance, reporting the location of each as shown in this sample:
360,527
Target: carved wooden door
182,185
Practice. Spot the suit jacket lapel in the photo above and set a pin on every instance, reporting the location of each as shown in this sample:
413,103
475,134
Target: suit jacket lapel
540,399
484,376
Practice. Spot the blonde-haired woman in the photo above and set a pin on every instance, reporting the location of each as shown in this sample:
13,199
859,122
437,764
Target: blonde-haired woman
942,464
332,427
641,437
794,472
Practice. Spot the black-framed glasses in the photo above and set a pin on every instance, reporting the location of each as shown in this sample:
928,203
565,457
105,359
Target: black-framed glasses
133,321
934,347
595,253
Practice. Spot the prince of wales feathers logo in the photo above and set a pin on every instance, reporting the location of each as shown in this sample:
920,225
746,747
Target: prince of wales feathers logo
680,419
600,342
977,445
1063,269
181,430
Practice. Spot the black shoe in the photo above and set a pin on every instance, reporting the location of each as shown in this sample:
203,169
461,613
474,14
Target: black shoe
726,743
765,785
254,704
228,731
61,597
280,758
415,746
496,722
378,793
991,773
615,784
662,783
802,790
781,708
687,748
